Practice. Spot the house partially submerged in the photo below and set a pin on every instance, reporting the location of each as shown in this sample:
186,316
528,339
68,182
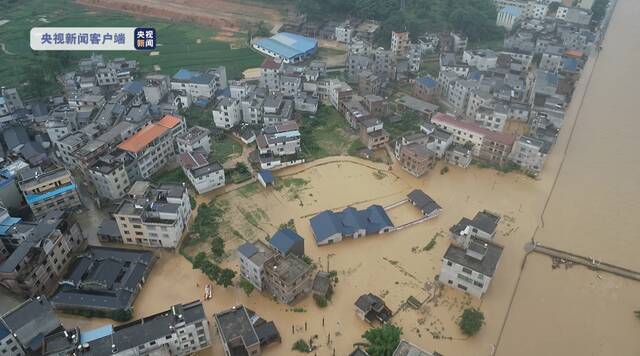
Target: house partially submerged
330,227
470,267
370,307
428,207
287,241
242,332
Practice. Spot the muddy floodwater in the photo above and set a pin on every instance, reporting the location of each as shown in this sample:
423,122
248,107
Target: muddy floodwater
587,201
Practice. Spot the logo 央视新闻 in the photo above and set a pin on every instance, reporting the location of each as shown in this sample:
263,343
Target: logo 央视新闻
145,38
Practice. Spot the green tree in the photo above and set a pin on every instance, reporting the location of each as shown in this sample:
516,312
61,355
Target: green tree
383,340
246,286
471,321
200,258
122,314
320,301
301,346
226,277
217,246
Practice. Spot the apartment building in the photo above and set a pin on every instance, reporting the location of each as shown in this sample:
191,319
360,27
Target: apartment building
270,75
49,191
483,59
69,144
112,175
417,159
154,216
529,153
197,138
180,331
200,85
153,146
277,109
373,134
284,276
156,87
227,113
42,250
243,332
205,176
279,145
493,147
400,43
470,268
23,327
492,118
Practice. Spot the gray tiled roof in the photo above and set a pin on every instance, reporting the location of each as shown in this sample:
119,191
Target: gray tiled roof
487,265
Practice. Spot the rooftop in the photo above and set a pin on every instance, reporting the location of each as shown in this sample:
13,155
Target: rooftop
283,240
288,45
235,327
486,265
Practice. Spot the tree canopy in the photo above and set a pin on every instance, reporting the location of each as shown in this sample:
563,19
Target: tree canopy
476,18
471,321
383,340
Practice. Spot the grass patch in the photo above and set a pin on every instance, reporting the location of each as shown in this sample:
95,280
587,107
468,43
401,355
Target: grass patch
325,134
198,116
355,147
224,148
178,45
409,122
249,190
175,175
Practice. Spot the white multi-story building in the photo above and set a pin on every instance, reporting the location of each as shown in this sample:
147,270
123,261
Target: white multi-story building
278,145
252,258
344,32
483,59
529,153
154,216
493,118
196,138
110,177
200,85
536,10
227,113
204,176
470,267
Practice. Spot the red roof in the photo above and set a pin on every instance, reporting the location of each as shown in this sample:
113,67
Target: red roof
193,160
470,126
574,53
169,121
142,138
269,63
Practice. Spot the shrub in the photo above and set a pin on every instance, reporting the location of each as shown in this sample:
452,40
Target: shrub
383,340
217,247
121,315
471,321
320,300
301,346
246,286
444,170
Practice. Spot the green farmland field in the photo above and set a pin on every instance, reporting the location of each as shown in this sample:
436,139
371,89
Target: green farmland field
180,45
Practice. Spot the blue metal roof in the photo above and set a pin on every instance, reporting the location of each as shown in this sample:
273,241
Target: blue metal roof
4,331
512,10
569,64
284,240
288,45
96,334
427,82
324,225
34,198
267,177
185,74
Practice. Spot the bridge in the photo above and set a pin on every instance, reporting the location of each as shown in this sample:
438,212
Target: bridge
588,262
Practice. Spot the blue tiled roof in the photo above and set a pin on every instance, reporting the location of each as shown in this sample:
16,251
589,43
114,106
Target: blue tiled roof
349,221
3,329
512,10
34,198
427,82
288,45
284,240
267,177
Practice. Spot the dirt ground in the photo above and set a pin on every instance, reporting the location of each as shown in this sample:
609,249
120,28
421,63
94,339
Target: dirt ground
226,15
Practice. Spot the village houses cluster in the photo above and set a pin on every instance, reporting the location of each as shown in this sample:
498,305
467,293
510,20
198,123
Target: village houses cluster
113,131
